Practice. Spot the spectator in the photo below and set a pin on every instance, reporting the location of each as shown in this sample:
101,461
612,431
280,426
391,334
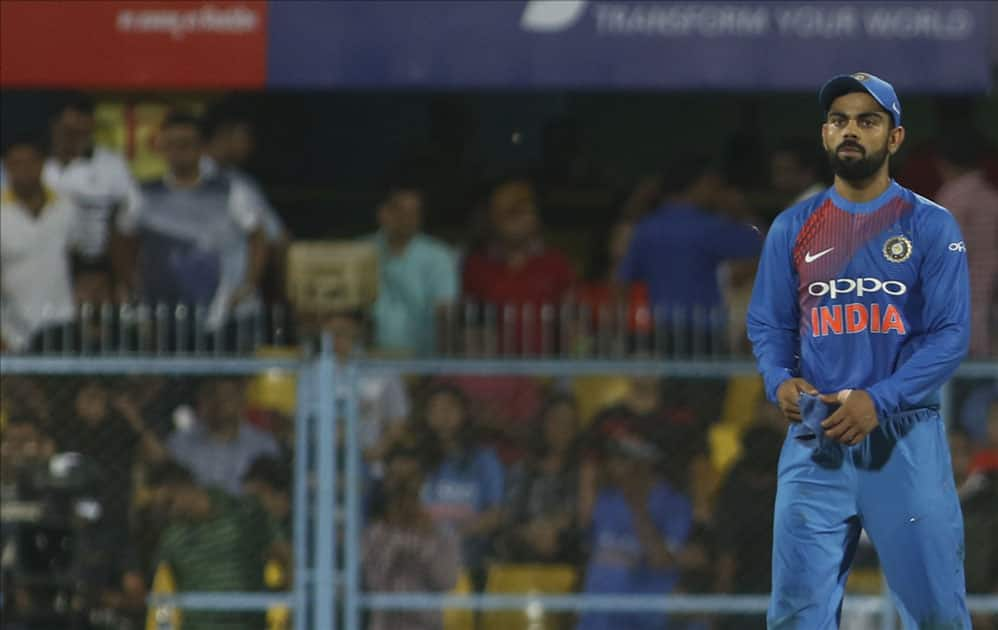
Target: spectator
37,231
514,271
212,542
229,144
677,250
541,513
978,500
382,400
504,409
675,426
795,170
193,237
597,294
404,549
464,488
418,275
973,200
96,179
220,447
639,526
746,497
24,448
110,430
920,171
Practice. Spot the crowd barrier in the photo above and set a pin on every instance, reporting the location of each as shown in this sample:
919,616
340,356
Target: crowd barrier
327,591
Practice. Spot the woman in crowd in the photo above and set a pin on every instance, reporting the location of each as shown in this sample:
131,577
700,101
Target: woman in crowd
541,514
464,488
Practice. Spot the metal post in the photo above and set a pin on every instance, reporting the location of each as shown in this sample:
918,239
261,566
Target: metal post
324,583
304,414
352,538
946,409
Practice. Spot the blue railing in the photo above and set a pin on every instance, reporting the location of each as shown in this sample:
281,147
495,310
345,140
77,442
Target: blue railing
321,580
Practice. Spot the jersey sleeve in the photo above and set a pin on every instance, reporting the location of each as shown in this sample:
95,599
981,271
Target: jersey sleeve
244,205
728,239
774,315
945,286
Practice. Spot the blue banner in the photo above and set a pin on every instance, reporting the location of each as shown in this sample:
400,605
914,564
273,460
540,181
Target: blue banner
919,46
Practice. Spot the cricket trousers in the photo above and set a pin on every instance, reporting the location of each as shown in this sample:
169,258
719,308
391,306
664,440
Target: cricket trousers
897,485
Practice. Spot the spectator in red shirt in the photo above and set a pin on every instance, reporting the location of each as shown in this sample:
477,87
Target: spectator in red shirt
514,271
920,172
973,200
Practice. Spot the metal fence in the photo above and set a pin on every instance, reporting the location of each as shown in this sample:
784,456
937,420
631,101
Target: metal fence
333,482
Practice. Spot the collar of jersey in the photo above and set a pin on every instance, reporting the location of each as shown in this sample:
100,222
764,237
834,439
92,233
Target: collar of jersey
865,207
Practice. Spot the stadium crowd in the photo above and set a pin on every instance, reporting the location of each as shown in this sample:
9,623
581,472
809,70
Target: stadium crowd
625,484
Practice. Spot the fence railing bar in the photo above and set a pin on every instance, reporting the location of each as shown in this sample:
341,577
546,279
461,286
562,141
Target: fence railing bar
138,365
721,604
228,602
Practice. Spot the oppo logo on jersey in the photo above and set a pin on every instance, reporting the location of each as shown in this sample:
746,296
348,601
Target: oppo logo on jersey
854,318
859,286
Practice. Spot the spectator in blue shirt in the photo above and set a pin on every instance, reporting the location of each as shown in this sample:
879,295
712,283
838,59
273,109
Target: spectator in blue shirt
639,527
221,446
193,237
418,275
464,490
677,250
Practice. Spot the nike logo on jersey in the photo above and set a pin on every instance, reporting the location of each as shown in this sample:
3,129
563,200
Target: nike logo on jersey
809,258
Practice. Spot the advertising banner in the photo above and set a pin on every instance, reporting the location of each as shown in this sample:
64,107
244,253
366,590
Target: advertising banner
509,44
601,44
133,44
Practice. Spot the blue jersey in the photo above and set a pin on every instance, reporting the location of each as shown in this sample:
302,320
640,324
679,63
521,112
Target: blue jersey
870,296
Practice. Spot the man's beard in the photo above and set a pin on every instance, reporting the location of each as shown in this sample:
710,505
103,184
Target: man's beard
856,169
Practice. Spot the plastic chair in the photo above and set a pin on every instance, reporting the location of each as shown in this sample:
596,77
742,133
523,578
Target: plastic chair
163,617
519,579
460,618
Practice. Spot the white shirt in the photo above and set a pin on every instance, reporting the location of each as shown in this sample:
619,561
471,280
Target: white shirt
381,402
97,184
35,285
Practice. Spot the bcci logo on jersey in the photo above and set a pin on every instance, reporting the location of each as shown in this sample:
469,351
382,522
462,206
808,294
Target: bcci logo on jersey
856,317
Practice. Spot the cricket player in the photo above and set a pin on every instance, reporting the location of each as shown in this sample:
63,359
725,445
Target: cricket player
860,312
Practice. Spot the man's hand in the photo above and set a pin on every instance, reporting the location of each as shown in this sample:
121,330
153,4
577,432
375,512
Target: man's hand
788,397
854,420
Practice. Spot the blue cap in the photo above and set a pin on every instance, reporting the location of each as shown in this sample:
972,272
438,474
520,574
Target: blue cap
880,90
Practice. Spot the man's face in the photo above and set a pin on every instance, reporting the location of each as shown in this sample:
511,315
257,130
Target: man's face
73,132
403,476
23,164
402,214
445,415
181,146
513,210
858,136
